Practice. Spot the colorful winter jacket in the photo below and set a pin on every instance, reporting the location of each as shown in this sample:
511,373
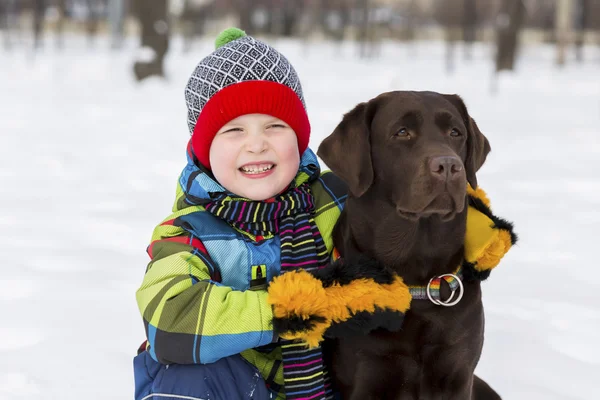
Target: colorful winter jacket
204,295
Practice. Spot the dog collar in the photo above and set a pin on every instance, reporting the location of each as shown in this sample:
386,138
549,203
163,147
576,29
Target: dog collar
432,290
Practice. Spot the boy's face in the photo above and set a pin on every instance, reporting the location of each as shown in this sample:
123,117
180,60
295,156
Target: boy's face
255,156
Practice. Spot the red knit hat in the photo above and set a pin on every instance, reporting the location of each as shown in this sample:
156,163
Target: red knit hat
243,76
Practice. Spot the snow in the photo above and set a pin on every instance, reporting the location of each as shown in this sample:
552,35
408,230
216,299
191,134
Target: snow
89,160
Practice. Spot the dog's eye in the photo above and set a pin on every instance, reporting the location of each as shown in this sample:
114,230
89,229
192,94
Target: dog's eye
403,133
455,132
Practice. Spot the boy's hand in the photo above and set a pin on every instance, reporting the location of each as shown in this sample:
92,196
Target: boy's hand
300,307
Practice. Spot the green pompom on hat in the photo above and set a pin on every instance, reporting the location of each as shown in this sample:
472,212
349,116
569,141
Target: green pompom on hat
228,35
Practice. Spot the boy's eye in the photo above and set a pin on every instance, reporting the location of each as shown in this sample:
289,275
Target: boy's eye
233,130
280,126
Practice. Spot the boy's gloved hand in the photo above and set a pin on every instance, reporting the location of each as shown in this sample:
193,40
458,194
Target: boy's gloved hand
345,298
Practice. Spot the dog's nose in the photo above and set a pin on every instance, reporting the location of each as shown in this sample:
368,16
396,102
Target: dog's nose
445,167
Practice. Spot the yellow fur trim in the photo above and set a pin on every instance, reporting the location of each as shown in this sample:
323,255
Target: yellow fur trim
485,245
312,338
494,252
364,295
298,293
480,233
478,194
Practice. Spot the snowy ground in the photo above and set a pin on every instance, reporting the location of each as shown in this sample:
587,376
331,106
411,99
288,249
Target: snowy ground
89,160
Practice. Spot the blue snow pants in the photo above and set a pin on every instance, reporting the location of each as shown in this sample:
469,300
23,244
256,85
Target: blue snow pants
230,378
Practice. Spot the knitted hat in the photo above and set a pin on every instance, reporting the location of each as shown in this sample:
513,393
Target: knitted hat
242,76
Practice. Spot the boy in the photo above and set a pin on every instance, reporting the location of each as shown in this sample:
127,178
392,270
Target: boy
251,204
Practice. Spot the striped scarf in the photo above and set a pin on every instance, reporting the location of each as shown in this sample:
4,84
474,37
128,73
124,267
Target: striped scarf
291,216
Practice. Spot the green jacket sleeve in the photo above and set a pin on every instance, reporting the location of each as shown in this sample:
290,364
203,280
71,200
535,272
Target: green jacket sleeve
189,318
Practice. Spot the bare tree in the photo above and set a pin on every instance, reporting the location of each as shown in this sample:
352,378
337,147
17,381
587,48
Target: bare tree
291,12
564,17
335,18
508,27
39,10
61,7
582,9
194,17
469,25
368,40
5,23
244,9
116,12
155,37
312,17
94,8
449,14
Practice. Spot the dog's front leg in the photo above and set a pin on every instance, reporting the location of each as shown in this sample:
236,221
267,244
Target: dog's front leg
483,391
384,379
447,385
369,391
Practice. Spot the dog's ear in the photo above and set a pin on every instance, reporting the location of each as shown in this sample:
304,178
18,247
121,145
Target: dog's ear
478,146
347,151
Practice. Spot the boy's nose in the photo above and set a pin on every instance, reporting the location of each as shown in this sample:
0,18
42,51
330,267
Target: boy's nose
256,144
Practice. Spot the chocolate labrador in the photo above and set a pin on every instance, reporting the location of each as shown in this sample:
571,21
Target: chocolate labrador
406,158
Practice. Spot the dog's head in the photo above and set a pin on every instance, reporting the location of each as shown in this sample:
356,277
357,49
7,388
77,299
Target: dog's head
416,149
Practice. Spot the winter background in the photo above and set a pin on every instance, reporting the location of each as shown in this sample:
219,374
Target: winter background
88,166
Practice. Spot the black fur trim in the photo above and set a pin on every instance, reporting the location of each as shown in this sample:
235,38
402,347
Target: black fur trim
295,324
344,271
470,274
499,223
364,322
480,206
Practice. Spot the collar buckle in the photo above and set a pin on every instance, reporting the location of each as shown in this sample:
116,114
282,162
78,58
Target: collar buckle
448,302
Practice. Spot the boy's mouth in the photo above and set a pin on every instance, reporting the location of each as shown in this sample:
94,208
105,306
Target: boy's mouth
255,169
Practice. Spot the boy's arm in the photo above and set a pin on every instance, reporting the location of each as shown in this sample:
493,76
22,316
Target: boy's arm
189,318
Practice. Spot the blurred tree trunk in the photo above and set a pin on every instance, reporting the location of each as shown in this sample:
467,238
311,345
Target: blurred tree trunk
450,14
563,29
39,9
452,36
91,25
582,11
334,17
186,20
155,35
469,26
291,16
314,16
365,34
193,18
4,24
508,24
60,22
273,22
116,13
244,8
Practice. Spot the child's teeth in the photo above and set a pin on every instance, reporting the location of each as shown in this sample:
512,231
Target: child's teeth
257,169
